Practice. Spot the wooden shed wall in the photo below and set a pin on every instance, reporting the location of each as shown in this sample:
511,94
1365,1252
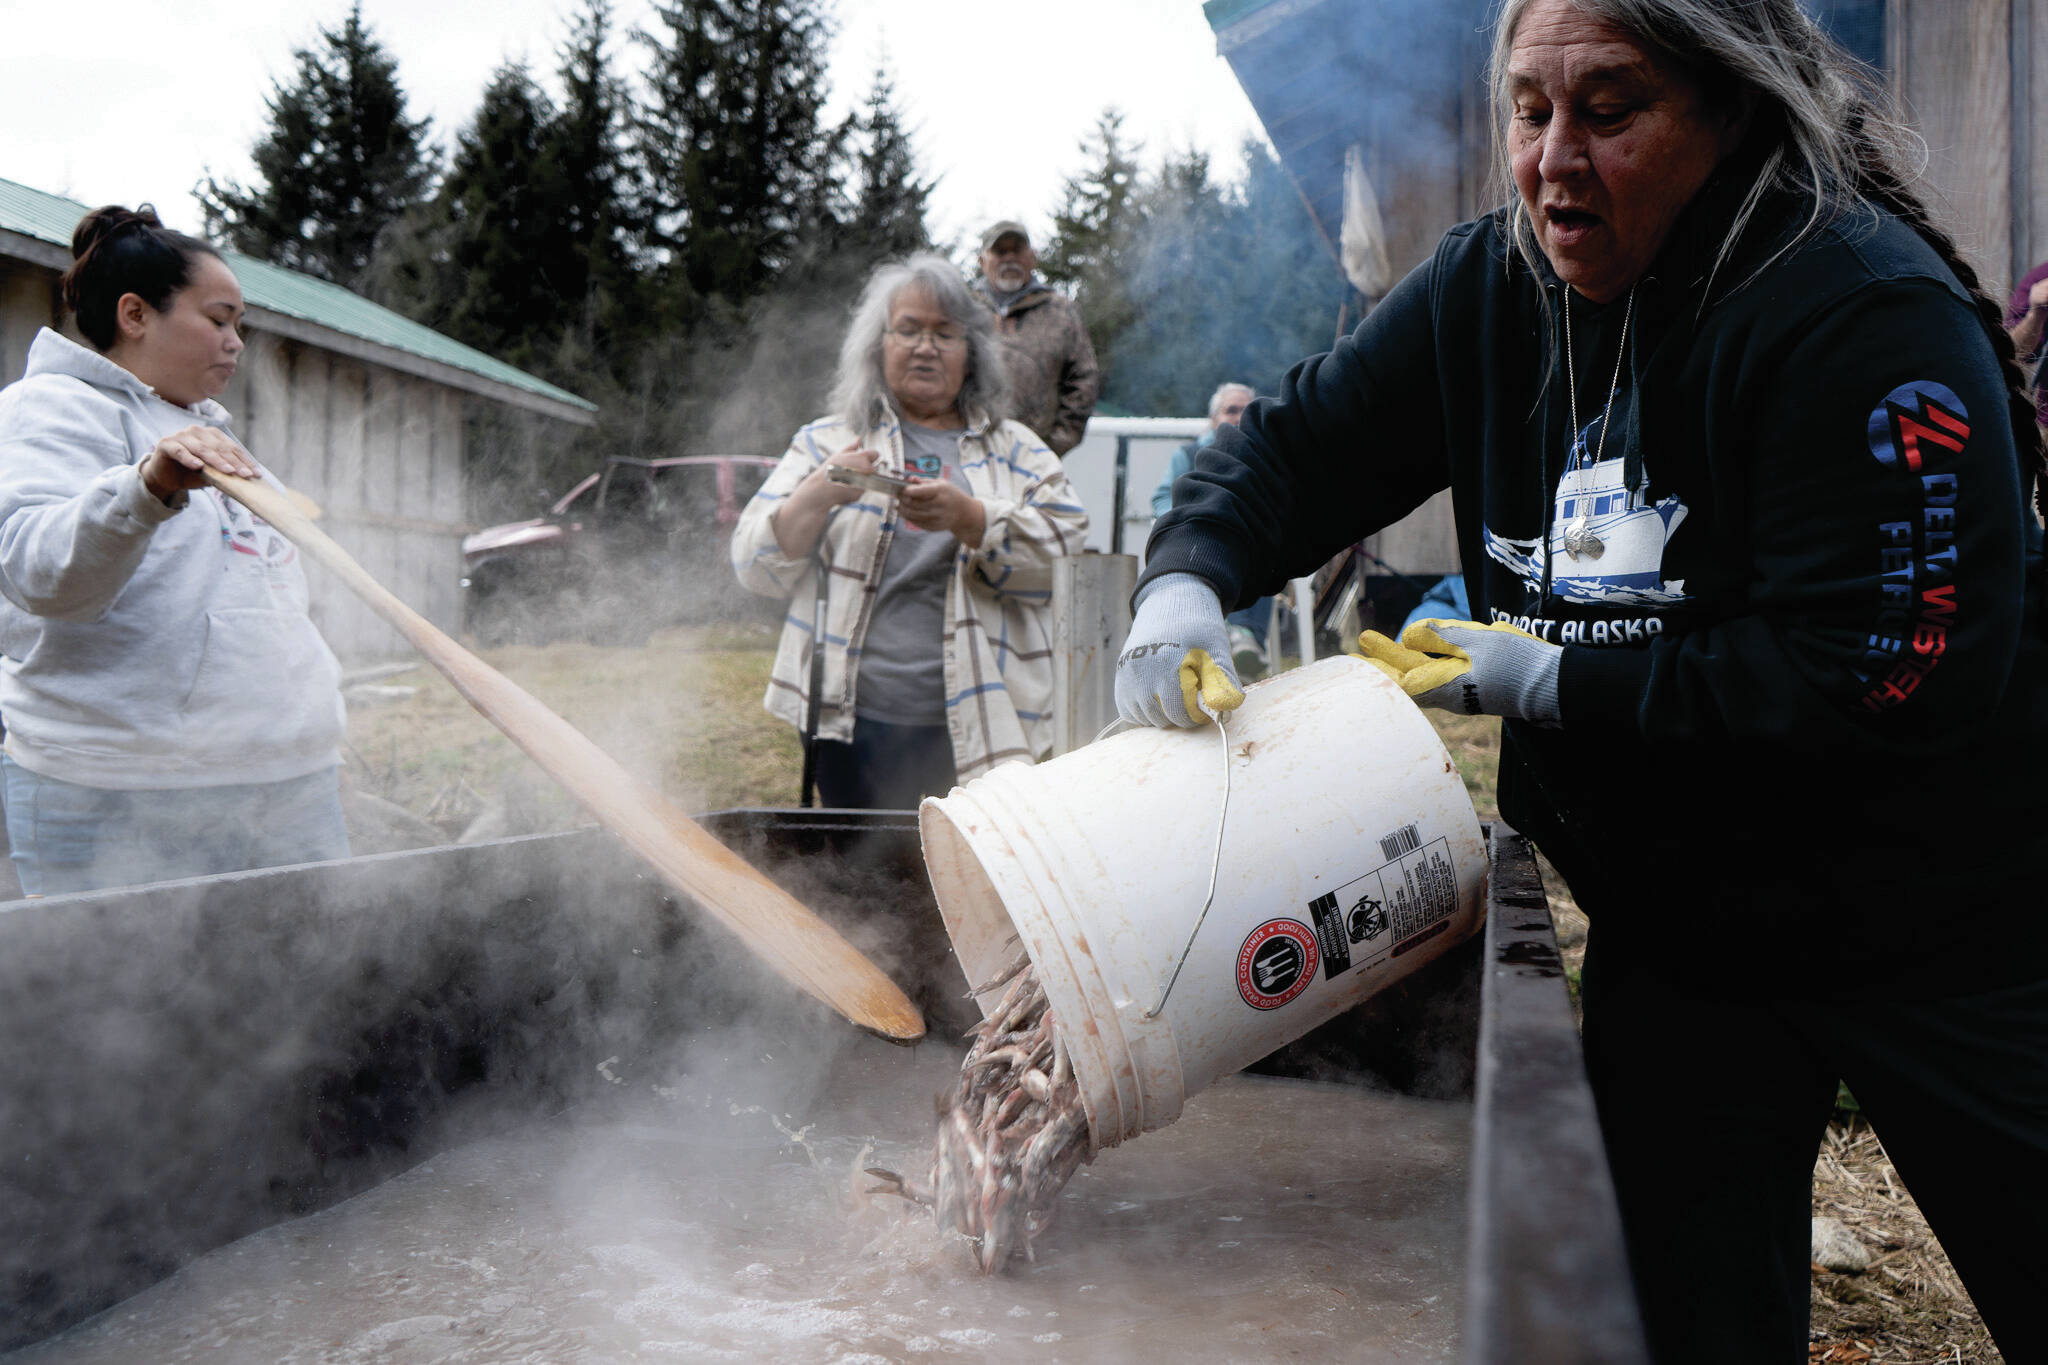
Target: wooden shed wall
28,303
380,451
1973,76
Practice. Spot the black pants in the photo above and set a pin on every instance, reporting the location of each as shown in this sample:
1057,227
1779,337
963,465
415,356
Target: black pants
886,767
1713,1110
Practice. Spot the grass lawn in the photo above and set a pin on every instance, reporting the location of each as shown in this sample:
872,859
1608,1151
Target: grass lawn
684,712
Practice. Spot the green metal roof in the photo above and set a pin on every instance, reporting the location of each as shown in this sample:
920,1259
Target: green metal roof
273,289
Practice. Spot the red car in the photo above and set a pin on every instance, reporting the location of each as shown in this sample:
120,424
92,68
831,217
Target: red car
637,545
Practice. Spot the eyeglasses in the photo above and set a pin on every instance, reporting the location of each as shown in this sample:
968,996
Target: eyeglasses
941,338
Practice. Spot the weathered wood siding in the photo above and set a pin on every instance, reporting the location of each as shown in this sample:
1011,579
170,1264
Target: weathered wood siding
1955,66
1424,542
27,305
2030,135
379,451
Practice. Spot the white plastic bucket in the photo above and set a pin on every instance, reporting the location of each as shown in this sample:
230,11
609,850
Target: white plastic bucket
1350,856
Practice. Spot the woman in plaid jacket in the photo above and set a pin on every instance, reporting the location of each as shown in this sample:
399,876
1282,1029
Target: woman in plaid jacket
938,606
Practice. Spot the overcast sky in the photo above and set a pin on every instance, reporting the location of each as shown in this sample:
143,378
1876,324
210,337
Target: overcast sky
120,101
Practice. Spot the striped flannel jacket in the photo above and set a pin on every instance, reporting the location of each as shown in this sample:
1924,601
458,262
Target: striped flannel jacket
998,645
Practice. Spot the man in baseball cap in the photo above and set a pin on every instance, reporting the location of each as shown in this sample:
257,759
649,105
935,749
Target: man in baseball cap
1007,227
1051,364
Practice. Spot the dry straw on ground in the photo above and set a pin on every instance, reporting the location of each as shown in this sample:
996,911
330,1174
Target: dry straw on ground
1908,1307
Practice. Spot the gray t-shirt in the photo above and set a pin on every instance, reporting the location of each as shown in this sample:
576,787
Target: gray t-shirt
902,662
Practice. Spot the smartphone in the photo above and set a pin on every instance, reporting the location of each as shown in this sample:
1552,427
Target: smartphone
877,481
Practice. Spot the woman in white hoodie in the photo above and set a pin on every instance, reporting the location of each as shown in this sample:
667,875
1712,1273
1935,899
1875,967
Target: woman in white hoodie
170,709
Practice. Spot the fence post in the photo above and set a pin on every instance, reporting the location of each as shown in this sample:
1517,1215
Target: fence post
1119,494
1091,614
1305,618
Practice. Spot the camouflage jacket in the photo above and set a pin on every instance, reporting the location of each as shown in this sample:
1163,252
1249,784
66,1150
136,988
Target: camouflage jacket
1053,379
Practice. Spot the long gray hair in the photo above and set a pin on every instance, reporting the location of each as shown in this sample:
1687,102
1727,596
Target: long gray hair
860,393
1834,137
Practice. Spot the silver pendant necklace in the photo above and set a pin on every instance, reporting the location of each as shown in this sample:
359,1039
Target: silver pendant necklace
1578,537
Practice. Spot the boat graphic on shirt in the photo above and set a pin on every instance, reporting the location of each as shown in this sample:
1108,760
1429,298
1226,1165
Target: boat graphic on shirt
1606,543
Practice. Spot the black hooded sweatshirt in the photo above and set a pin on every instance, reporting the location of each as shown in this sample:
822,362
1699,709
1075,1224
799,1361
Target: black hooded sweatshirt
1804,687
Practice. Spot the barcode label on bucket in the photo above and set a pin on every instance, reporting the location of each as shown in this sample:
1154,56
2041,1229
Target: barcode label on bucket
1403,840
1391,910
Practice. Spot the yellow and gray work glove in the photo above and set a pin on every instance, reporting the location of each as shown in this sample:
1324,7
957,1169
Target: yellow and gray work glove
1474,669
1176,655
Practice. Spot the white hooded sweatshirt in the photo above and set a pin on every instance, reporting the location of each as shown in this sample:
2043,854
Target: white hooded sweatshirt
144,647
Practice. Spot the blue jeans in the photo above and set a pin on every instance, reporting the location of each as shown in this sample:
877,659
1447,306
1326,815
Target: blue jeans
65,837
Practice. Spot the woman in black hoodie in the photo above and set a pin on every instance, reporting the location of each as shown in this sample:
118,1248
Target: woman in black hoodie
1741,469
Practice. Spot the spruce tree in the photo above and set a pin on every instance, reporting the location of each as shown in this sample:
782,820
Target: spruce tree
1095,229
1282,283
1169,362
888,200
522,251
729,141
596,279
866,204
503,206
481,262
340,163
1187,282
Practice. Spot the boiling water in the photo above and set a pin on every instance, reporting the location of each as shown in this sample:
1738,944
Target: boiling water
708,1220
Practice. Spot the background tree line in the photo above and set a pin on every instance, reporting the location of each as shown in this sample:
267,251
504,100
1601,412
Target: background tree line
672,228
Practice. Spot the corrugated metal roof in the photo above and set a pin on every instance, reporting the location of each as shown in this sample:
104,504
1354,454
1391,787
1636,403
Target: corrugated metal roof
35,214
51,217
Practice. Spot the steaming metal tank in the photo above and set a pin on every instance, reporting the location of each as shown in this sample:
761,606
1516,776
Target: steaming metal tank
509,1101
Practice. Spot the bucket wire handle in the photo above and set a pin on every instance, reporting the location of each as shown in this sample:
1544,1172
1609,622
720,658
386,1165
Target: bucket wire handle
1116,727
1215,864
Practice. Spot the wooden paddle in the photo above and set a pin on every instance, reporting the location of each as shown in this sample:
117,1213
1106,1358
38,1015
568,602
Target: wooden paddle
798,945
